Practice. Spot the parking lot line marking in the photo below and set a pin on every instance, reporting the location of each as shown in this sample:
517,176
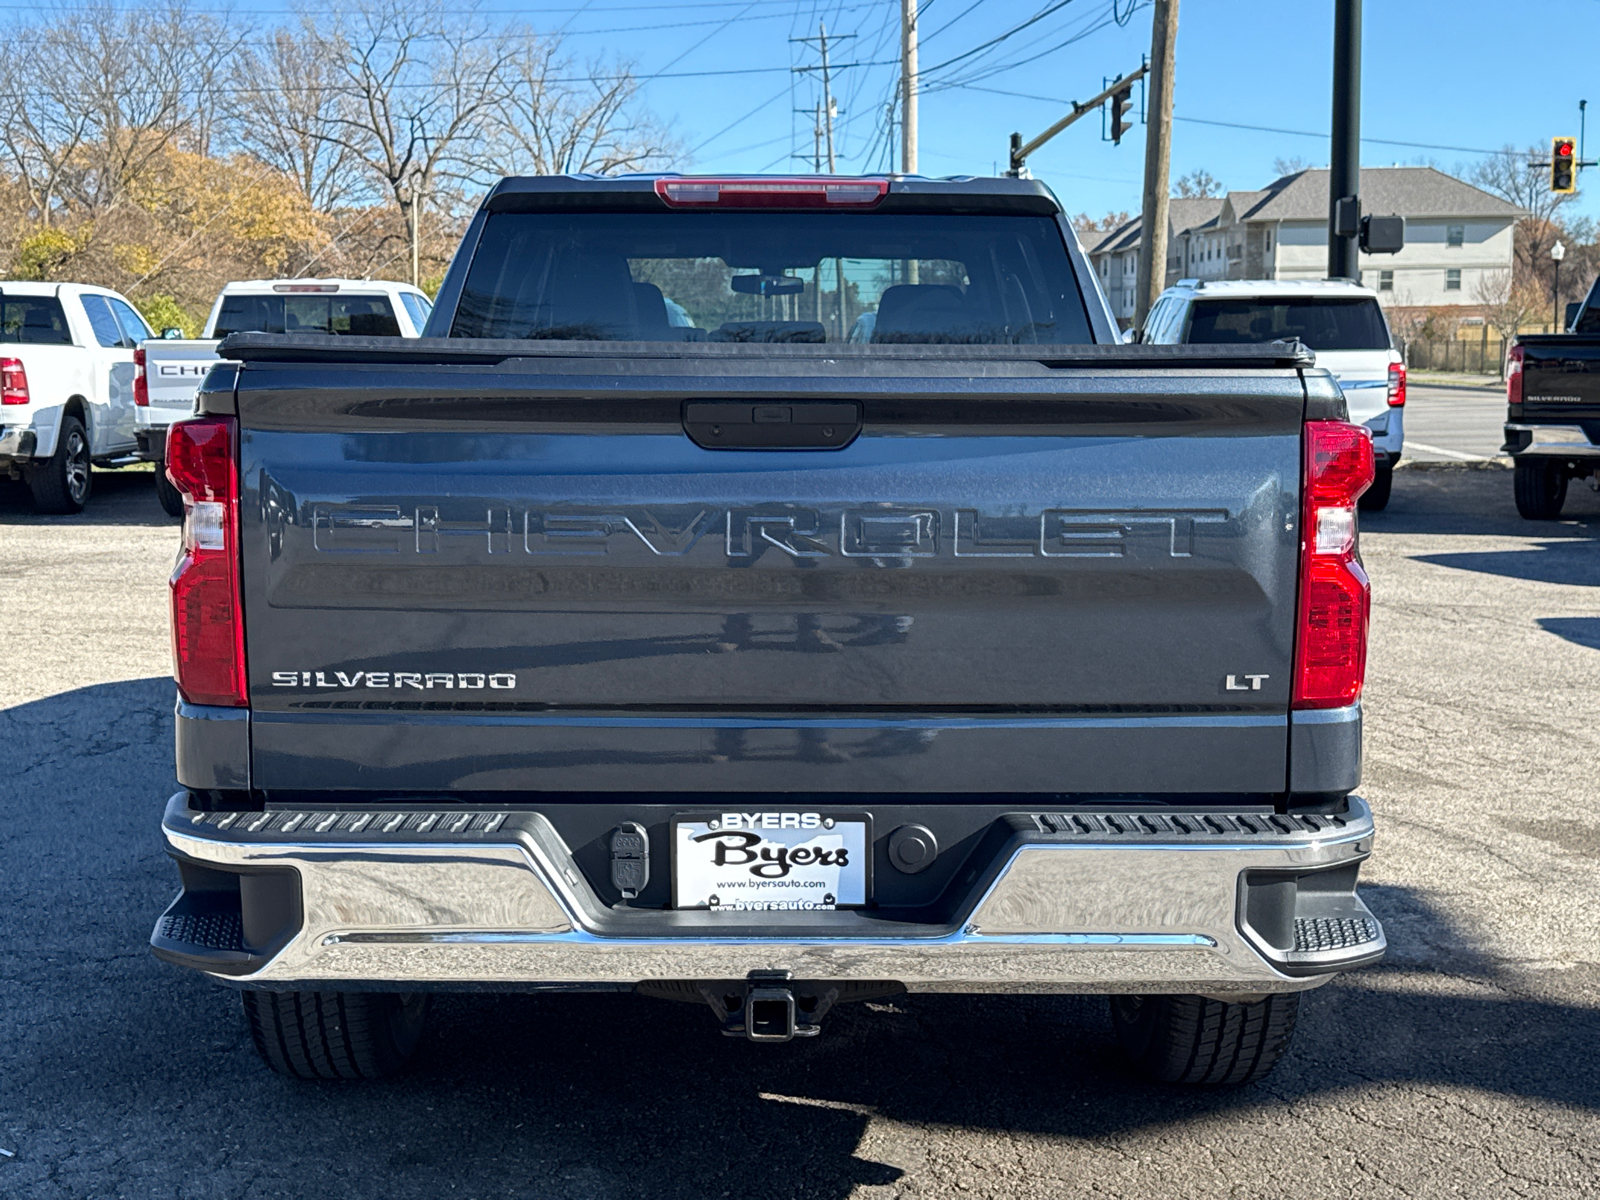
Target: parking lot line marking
1423,446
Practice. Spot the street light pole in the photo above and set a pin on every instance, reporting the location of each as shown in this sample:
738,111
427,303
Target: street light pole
1557,253
1344,174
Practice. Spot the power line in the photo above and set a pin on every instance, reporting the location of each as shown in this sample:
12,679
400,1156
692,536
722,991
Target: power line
972,87
998,38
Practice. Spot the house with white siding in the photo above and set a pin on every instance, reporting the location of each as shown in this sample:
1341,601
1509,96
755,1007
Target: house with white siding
1456,234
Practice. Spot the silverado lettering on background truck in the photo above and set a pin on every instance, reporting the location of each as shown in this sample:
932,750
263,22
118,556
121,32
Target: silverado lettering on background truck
1041,674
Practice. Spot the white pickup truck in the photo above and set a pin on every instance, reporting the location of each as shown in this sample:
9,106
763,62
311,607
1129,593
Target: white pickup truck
171,369
67,401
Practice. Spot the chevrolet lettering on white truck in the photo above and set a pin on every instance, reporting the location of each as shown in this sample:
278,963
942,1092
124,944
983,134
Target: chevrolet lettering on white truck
657,622
171,368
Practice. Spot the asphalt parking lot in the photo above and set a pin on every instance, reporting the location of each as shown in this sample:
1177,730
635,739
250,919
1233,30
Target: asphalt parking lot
1454,422
1464,1065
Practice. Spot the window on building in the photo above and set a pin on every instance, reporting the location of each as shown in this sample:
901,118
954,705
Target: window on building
1386,281
1452,279
1269,241
1455,235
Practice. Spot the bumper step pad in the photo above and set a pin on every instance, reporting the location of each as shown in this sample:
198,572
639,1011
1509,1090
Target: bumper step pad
1313,935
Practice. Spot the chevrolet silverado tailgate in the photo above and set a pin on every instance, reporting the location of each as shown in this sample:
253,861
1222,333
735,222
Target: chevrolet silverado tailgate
573,573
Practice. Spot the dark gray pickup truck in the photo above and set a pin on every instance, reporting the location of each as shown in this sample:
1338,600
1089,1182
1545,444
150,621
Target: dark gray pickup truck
1553,410
769,594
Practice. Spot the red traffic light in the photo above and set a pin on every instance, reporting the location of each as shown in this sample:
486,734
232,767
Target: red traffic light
1564,149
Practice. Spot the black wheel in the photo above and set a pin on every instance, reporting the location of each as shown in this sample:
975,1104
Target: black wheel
1541,489
335,1035
171,498
1192,1039
61,484
1376,497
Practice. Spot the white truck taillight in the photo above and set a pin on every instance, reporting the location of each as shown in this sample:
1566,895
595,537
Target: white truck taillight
207,617
13,381
141,381
1335,596
1397,385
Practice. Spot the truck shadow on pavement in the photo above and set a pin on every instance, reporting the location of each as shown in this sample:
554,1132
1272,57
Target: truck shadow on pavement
124,497
1584,631
1464,499
1570,562
124,1075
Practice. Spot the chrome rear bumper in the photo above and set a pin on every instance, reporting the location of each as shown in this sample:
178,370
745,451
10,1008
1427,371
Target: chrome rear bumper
1073,902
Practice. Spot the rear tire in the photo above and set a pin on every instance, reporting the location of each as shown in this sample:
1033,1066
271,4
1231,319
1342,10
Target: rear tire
335,1035
1192,1039
1376,497
1541,489
61,483
171,498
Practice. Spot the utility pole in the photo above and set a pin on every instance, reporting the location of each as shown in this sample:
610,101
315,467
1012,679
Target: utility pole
816,141
828,110
1157,160
1344,175
416,228
908,86
827,96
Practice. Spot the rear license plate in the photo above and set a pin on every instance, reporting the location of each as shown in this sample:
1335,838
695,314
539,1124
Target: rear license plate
771,862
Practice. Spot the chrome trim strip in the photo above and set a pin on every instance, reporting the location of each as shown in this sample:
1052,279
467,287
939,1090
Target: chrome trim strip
1196,941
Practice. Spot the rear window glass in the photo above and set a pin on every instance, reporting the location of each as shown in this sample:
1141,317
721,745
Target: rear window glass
417,307
361,316
33,319
1323,324
772,277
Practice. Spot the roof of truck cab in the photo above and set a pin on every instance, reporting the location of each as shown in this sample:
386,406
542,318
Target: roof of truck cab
35,287
268,286
1235,289
907,193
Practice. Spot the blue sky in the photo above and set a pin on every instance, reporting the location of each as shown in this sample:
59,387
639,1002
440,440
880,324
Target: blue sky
1436,72
1451,77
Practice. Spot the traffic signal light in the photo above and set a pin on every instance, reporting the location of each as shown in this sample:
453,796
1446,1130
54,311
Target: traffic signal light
1563,165
1121,102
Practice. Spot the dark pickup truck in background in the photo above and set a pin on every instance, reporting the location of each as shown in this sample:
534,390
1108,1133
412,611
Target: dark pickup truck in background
637,629
1553,413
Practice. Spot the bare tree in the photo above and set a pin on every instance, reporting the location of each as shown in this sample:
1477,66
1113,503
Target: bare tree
1508,304
1291,165
1198,184
100,94
551,125
298,79
1083,223
425,83
1512,175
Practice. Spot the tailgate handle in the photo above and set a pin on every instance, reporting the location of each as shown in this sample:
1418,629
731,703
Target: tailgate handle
747,425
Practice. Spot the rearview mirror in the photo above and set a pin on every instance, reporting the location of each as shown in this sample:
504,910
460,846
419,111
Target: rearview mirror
767,285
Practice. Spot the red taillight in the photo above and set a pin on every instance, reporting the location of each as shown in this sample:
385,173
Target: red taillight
13,381
1397,385
815,191
207,617
1514,376
1335,596
141,385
